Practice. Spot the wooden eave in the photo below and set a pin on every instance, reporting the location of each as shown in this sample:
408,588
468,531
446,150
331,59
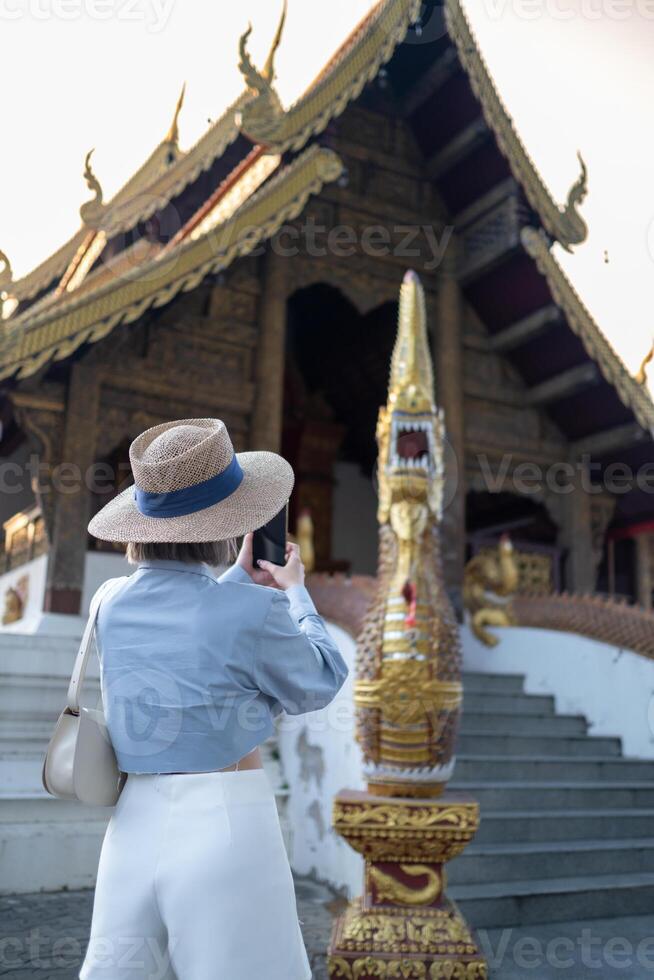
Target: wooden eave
30,342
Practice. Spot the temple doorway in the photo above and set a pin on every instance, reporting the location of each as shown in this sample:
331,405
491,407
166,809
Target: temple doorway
531,529
336,378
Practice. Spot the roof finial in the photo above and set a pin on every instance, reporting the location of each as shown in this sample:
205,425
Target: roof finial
91,211
6,276
268,70
172,136
575,227
641,377
260,117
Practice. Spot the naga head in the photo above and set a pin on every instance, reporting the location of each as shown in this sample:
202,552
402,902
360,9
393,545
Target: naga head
410,428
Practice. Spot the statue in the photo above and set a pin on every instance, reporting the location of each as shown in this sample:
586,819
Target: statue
407,697
15,599
304,532
408,688
490,580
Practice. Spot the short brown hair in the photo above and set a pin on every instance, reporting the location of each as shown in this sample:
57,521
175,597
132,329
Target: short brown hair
211,552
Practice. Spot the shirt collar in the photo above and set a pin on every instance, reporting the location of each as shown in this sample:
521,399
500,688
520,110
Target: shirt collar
170,565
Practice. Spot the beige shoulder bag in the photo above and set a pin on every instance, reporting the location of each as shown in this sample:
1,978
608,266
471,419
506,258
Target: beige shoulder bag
80,763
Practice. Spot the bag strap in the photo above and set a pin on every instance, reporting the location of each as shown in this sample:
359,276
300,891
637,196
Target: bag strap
81,660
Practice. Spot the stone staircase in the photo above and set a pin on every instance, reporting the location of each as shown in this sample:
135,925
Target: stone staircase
567,828
45,843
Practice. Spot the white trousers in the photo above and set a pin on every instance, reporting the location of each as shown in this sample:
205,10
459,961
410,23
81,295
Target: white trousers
194,884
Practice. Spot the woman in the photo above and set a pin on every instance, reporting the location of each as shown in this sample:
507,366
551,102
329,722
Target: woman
193,881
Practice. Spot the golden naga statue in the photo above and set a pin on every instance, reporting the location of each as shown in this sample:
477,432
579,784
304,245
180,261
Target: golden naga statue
407,696
489,582
408,688
260,117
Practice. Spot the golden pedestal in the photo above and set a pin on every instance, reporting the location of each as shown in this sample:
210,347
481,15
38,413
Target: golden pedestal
404,926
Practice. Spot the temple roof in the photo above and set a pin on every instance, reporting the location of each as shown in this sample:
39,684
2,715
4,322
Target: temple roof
580,321
55,332
168,171
242,174
161,162
563,224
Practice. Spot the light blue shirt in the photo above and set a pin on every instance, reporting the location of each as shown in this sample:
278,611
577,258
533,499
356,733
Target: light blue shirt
194,668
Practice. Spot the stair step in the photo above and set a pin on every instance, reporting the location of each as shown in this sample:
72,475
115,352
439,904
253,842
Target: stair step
565,768
522,704
530,795
502,826
511,723
479,682
482,863
40,807
505,903
546,746
28,643
50,856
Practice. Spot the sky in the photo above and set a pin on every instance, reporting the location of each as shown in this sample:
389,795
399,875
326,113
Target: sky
575,75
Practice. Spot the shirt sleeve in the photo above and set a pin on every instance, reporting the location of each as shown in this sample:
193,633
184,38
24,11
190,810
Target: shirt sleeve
297,663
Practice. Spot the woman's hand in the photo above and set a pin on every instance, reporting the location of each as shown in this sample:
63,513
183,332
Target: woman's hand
292,573
258,575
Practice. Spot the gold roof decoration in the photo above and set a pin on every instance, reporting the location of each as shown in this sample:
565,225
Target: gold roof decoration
49,270
6,276
92,211
370,45
234,196
153,185
576,227
30,341
172,136
356,62
260,117
563,224
268,70
151,188
633,396
641,376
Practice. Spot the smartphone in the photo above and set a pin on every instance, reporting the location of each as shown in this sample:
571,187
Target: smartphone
269,541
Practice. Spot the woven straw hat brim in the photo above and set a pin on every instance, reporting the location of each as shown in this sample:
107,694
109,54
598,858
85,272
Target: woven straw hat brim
266,486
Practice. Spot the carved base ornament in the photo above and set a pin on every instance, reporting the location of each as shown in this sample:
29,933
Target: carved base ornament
404,925
407,696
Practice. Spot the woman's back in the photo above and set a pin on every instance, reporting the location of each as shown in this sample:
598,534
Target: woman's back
193,671
194,668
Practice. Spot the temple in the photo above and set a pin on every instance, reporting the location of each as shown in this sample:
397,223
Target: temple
255,277
367,281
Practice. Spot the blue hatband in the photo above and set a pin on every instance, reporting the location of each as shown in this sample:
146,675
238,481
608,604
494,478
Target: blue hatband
188,500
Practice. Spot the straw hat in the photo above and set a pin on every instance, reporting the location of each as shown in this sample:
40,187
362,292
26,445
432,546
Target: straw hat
190,485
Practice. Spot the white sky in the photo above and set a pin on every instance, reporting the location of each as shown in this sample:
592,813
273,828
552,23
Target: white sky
106,73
